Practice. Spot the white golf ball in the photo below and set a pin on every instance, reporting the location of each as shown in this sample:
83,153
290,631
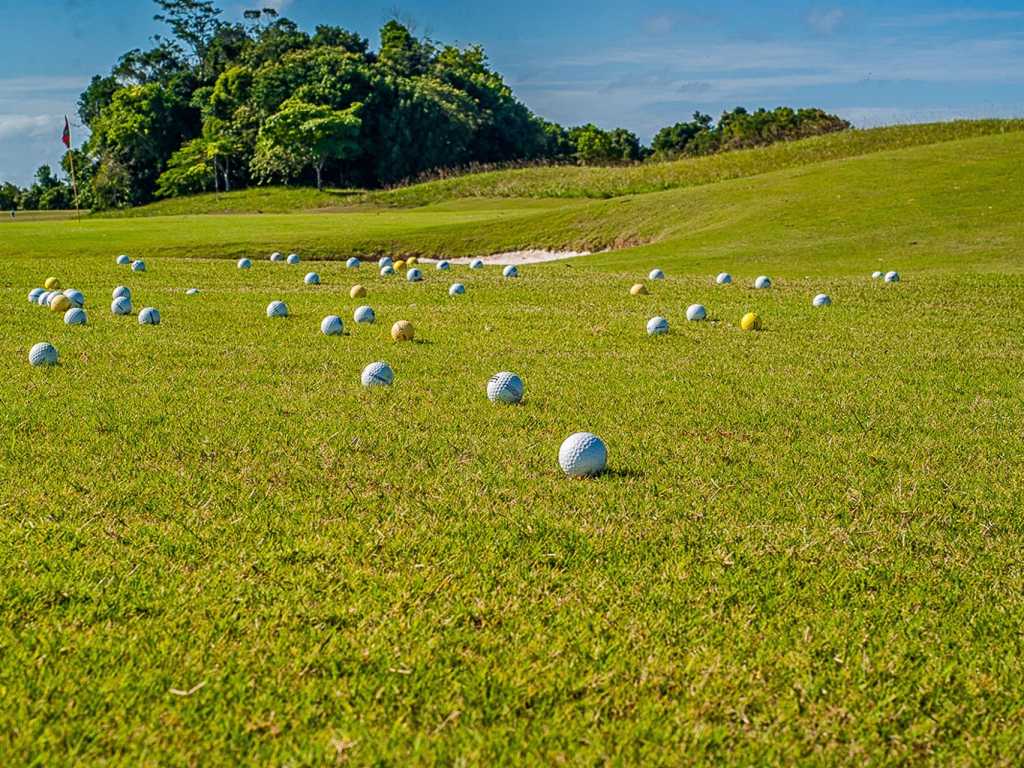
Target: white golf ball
386,270
277,309
352,263
583,455
456,289
877,275
763,282
377,375
414,275
657,326
444,266
385,261
821,300
75,316
293,258
892,277
312,278
192,292
77,298
332,326
510,271
244,263
44,298
275,256
724,278
123,260
122,305
43,353
364,315
149,316
656,274
476,264
505,387
121,290
34,294
696,312
138,266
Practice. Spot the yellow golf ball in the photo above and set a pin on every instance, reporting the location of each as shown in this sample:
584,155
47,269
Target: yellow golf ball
60,303
357,292
51,284
750,322
412,261
402,331
398,265
638,290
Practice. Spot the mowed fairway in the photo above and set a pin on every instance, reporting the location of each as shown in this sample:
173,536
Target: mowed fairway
217,548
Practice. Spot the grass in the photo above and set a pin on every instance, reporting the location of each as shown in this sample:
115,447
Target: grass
216,548
254,200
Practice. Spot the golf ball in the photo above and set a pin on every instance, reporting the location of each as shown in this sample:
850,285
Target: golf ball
75,316
77,297
121,290
583,455
505,387
138,266
456,289
656,274
763,282
44,298
444,266
476,264
821,300
357,292
364,315
412,261
696,312
293,258
402,331
510,271
414,275
244,263
352,263
877,275
311,278
892,277
399,265
34,294
43,353
724,278
192,292
386,270
60,303
657,326
121,305
123,260
52,284
750,322
275,256
332,326
149,316
639,290
385,261
377,375
277,309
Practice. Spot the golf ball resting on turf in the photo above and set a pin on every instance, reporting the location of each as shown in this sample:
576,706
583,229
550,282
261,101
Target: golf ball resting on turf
277,309
657,326
42,353
332,326
377,375
583,455
505,387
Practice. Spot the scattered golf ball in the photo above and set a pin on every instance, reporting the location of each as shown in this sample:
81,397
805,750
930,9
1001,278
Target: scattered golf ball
44,298
656,274
510,271
277,309
402,331
332,326
43,353
414,275
696,312
275,256
364,315
123,260
724,278
121,305
293,258
399,265
357,292
377,375
821,300
192,292
138,266
122,290
386,270
505,387
892,277
412,261
77,297
60,303
52,284
639,290
443,266
476,264
456,289
385,261
750,322
583,455
34,294
657,326
244,263
763,282
149,316
75,316
352,263
311,278
877,275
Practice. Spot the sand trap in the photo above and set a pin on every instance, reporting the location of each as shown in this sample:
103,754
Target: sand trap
518,257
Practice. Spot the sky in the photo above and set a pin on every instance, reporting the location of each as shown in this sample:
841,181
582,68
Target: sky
638,64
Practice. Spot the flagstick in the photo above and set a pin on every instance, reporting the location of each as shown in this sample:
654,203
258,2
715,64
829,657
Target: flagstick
74,178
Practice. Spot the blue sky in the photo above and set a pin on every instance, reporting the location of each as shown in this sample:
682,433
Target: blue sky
640,64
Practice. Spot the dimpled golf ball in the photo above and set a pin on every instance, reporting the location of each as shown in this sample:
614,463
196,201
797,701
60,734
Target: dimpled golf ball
364,315
121,290
52,284
277,309
657,326
402,331
639,290
385,261
583,455
123,260
892,277
443,266
332,326
510,271
656,274
149,316
275,256
763,282
138,266
877,275
352,263
75,316
399,265
750,322
476,264
34,294
377,375
293,258
192,292
696,312
311,278
724,278
121,305
821,300
43,353
387,270
456,289
60,303
77,298
244,263
505,387
414,275
357,292
44,298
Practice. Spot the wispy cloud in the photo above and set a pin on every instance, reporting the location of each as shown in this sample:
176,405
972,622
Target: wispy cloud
826,22
29,126
963,16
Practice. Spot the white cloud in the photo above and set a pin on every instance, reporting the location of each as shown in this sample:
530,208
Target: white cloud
964,16
826,22
277,5
30,126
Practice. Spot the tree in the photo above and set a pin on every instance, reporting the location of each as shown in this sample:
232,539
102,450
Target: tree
10,196
190,169
316,132
193,22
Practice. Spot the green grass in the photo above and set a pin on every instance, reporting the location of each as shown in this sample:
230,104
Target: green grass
806,551
254,200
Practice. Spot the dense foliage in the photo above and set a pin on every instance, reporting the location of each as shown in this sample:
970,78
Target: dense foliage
219,106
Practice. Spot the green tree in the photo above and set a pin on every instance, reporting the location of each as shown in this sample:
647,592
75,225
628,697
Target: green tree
316,132
193,22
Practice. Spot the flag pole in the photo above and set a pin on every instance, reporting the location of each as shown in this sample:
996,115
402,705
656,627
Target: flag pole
74,178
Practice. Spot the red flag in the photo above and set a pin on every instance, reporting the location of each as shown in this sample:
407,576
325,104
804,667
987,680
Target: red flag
66,138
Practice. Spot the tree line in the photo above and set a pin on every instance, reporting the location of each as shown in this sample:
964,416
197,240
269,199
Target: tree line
218,106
